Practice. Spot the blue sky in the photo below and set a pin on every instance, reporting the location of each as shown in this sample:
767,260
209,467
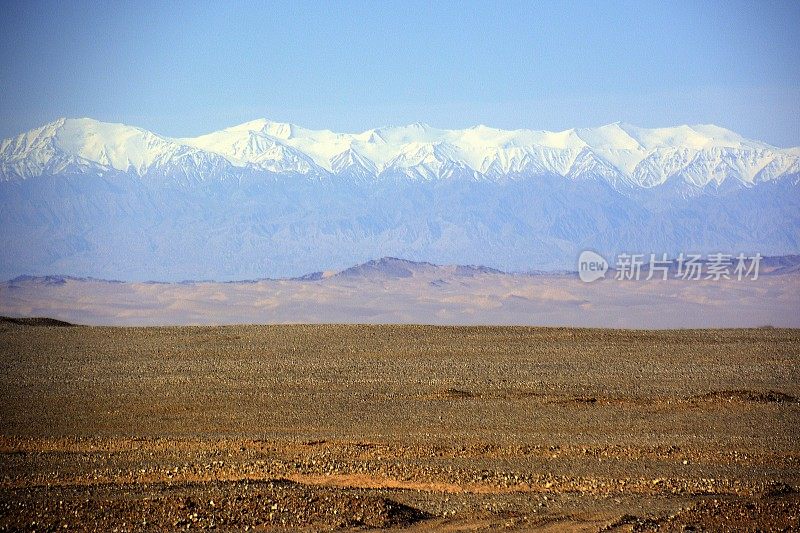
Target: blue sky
183,69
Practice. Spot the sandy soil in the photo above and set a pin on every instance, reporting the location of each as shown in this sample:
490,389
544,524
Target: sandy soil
430,294
282,428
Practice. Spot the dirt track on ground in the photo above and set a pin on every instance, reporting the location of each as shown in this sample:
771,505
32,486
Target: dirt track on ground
406,427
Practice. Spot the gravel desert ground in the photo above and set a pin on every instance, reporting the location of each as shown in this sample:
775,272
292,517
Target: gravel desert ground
320,427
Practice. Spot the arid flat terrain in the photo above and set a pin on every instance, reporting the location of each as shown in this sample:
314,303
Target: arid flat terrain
321,427
396,291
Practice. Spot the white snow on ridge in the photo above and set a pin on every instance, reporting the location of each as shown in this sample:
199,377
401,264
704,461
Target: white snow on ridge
616,152
81,144
643,157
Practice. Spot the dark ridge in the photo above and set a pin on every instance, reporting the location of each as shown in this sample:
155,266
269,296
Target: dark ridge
455,394
474,270
313,276
786,264
57,279
35,321
776,488
560,273
747,396
387,267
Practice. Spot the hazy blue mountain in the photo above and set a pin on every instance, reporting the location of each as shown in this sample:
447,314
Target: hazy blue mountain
265,199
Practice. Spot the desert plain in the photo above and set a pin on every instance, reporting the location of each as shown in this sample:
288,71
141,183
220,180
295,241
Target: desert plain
420,428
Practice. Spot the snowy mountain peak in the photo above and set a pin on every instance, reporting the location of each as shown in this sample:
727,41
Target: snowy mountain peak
265,198
86,145
351,163
275,129
619,153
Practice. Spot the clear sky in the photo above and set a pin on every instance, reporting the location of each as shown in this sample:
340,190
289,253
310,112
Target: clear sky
182,69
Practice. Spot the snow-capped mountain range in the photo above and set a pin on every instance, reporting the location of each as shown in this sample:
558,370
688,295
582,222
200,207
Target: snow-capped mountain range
267,199
622,154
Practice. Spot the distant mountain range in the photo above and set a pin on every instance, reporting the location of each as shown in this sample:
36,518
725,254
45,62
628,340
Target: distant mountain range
395,268
268,199
621,154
